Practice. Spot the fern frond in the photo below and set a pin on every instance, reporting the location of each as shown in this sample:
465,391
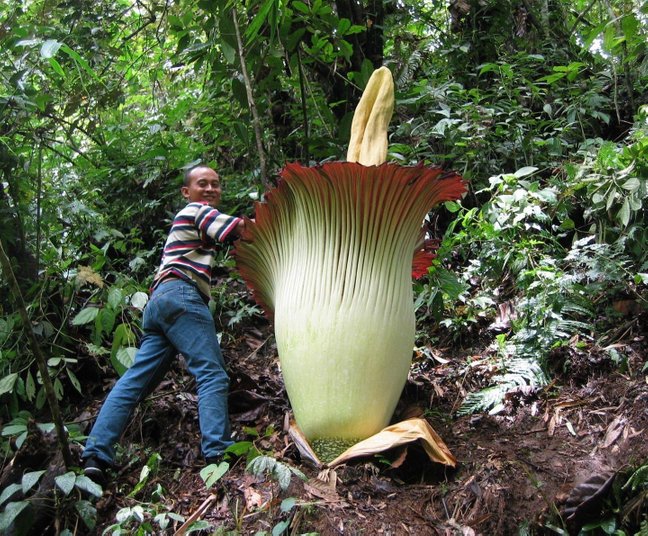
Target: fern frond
408,69
279,471
519,372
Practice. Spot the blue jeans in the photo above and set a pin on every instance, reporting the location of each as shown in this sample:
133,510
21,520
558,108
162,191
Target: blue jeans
176,320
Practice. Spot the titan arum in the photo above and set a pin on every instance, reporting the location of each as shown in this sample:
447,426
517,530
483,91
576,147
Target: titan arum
330,259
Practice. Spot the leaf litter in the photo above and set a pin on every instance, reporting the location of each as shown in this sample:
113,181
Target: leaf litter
549,454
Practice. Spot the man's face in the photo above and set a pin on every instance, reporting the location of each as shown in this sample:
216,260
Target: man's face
204,185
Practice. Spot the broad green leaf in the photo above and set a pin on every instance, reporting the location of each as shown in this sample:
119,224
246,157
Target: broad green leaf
229,52
66,482
213,473
624,213
593,34
123,336
30,479
281,527
283,475
288,504
300,6
58,388
635,202
138,513
46,427
13,429
201,524
162,520
104,323
523,172
21,439
239,92
343,25
632,184
74,381
115,297
139,300
641,278
80,61
609,38
28,42
85,484
50,48
87,512
126,356
610,199
41,100
452,206
11,512
9,491
6,326
241,448
7,383
550,79
85,316
567,224
123,514
57,67
242,132
41,398
266,11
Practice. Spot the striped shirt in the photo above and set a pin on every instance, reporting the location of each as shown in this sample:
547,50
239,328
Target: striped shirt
191,246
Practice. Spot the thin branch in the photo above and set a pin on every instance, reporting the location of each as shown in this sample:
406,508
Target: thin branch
150,21
40,358
77,151
302,90
196,515
39,200
75,126
250,97
580,17
63,156
627,75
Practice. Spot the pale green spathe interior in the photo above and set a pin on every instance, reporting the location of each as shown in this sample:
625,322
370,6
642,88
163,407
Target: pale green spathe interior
331,255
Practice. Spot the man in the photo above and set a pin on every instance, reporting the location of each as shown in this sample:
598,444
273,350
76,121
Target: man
177,320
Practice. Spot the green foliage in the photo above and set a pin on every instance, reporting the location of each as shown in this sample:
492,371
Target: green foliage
213,473
148,514
522,247
621,512
65,484
279,471
102,107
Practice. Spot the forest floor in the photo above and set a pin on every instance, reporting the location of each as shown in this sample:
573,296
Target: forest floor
551,453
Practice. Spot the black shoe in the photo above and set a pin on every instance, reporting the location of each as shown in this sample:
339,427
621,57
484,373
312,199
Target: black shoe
95,470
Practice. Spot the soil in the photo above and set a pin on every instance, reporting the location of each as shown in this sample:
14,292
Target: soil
551,457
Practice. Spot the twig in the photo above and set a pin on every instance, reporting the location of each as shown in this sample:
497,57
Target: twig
302,91
534,431
580,17
40,357
193,517
256,122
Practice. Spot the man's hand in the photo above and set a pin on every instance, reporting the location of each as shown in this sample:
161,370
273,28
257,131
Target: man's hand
240,227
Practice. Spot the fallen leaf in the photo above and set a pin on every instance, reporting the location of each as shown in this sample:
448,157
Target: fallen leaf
253,499
614,430
584,499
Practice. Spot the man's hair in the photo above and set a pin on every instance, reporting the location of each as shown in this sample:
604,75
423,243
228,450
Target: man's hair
187,174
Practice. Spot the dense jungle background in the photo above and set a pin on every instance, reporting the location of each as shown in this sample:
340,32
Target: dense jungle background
531,354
